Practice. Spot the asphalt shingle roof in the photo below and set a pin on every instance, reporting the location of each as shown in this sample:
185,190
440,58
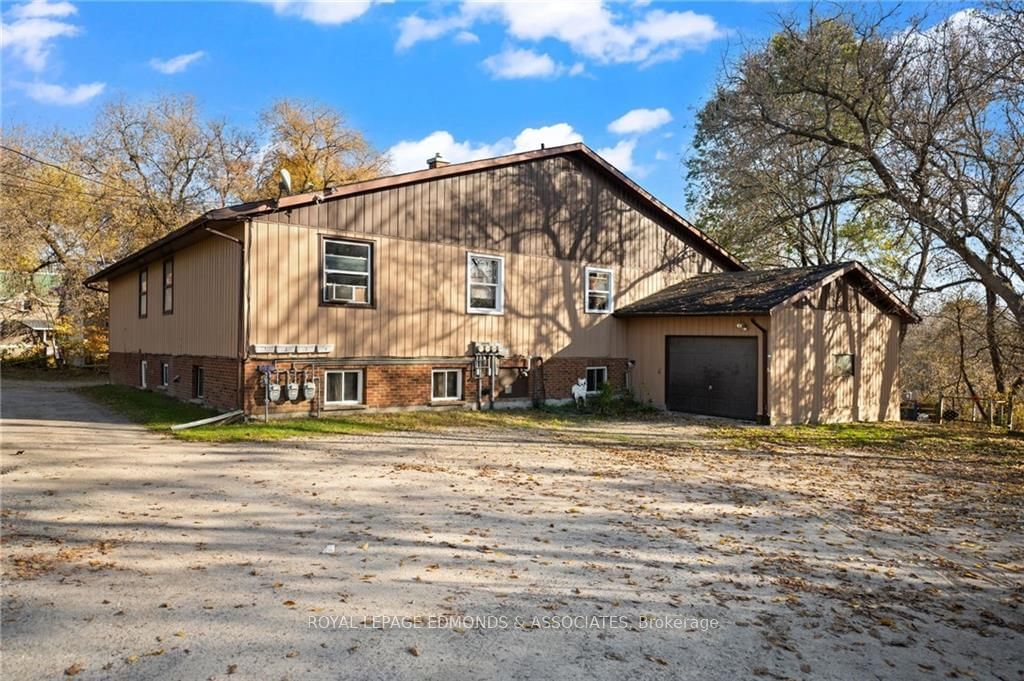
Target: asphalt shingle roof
750,291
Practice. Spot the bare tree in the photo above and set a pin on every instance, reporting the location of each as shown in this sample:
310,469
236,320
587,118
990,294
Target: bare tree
929,119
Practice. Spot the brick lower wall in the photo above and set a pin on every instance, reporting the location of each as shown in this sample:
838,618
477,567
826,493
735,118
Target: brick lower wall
385,386
220,376
553,378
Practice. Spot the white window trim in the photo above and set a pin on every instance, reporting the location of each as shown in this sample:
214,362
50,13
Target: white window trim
143,370
359,386
369,270
165,373
499,299
200,387
457,397
586,290
589,369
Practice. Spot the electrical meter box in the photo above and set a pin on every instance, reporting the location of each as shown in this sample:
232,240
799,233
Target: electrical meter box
293,391
275,392
309,390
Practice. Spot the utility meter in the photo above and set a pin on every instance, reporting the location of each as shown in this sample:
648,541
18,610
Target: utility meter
293,392
309,390
275,392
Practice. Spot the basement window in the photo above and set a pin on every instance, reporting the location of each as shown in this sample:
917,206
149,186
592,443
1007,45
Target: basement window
165,374
343,387
447,384
596,378
843,365
143,293
347,272
169,286
485,284
599,290
198,379
143,369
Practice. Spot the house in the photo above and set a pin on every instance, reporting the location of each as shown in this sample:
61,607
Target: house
28,307
493,283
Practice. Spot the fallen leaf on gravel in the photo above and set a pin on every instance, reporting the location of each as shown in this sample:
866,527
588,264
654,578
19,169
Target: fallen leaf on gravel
293,653
232,668
414,651
288,603
73,669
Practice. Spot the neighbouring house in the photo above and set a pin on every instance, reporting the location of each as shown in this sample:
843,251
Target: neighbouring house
28,307
492,283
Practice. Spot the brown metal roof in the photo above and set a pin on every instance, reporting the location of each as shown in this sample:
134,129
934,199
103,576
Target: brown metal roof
679,225
760,292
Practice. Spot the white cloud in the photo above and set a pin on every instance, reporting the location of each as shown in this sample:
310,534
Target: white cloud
413,154
621,155
325,12
549,135
176,64
466,37
639,121
413,29
660,155
51,93
34,27
590,29
512,63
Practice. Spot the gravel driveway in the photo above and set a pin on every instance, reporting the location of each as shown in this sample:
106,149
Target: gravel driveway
494,554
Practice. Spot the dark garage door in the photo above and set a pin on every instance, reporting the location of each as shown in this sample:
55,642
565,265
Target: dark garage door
711,375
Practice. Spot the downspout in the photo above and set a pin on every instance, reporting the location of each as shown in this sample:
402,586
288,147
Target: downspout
765,416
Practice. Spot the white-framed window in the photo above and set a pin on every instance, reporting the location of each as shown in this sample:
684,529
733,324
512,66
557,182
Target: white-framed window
165,373
143,370
343,386
485,284
599,290
596,378
347,270
446,384
198,381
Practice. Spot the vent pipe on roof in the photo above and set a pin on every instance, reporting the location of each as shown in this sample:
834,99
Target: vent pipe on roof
437,161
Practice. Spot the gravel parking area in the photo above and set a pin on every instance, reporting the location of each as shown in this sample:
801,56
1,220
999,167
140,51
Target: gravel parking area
638,551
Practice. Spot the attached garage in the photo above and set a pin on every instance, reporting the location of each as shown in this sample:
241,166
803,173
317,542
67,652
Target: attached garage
713,375
796,345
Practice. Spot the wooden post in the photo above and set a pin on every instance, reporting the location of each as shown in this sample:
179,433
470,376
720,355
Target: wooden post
942,408
992,413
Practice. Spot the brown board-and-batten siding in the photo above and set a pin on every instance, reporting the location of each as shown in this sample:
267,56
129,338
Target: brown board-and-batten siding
205,318
805,386
548,218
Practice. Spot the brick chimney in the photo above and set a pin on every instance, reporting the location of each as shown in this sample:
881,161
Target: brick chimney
437,161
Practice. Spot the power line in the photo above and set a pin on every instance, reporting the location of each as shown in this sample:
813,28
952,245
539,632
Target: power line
60,168
50,194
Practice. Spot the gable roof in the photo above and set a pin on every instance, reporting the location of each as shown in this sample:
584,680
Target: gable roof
677,224
761,291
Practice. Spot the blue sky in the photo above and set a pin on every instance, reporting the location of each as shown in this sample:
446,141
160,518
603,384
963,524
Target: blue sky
466,80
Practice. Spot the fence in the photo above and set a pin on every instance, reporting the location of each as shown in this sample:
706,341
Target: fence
982,411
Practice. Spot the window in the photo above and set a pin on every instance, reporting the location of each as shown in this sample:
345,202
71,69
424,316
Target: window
485,284
596,378
143,369
169,286
599,290
343,387
347,272
198,378
843,365
447,384
143,293
165,373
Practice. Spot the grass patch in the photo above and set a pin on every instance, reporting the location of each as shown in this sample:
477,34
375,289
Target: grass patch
906,438
159,412
28,372
150,409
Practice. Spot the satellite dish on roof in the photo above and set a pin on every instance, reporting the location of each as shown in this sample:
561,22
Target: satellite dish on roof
285,185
